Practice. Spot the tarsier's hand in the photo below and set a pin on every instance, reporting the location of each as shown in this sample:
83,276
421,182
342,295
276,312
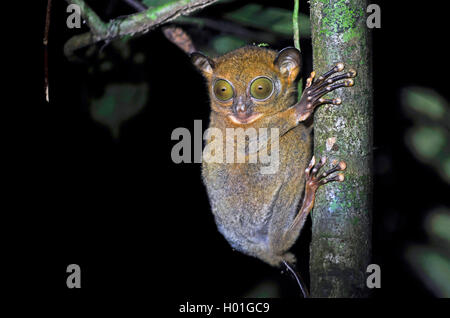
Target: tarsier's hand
316,89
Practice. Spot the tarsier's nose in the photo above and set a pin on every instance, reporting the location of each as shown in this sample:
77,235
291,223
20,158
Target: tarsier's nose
241,105
243,112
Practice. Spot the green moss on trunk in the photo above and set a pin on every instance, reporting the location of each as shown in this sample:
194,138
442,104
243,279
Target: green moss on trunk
341,233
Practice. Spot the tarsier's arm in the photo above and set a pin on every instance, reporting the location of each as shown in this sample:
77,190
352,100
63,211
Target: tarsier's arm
312,97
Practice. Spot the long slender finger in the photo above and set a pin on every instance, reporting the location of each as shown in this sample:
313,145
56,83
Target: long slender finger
330,88
319,165
310,79
341,166
337,68
331,80
323,101
339,177
311,164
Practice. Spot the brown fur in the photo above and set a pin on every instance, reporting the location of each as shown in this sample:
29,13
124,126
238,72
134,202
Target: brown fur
252,210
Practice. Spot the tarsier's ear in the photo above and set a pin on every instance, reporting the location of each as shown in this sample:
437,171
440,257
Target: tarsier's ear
203,63
288,62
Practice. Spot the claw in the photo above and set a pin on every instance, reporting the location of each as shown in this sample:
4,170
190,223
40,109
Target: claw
310,79
349,82
311,164
323,160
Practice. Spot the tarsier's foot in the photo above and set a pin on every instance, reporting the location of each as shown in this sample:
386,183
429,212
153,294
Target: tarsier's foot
316,89
314,179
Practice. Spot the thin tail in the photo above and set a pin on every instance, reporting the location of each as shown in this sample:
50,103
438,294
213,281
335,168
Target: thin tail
298,279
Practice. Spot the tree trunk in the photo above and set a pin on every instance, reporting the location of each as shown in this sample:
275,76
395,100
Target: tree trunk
341,230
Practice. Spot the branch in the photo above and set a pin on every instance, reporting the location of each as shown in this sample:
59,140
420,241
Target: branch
341,223
140,22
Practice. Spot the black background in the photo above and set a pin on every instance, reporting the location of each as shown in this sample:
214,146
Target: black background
137,223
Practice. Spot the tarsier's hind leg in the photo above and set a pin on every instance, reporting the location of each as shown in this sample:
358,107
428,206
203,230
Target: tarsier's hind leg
314,180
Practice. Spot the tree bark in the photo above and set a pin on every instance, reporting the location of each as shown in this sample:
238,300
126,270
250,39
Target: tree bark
341,230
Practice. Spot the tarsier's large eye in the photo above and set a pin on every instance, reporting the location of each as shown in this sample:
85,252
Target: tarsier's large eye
261,88
223,90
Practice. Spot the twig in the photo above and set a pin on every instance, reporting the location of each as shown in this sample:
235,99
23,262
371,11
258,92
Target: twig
295,26
140,22
47,27
136,4
296,32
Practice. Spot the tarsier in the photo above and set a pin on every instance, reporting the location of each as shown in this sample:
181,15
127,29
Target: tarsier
262,214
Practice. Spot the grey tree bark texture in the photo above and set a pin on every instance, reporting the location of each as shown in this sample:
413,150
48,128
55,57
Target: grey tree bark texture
342,216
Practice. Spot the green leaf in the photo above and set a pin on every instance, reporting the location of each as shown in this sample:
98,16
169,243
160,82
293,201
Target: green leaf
427,141
433,267
438,224
446,168
273,19
226,43
425,101
119,103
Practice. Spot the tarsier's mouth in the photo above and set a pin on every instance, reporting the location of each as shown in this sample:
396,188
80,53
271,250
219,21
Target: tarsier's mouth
244,119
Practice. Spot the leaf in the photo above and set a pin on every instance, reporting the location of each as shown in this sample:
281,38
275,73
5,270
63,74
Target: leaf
446,168
437,224
226,43
429,138
119,103
273,19
432,266
425,101
427,141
